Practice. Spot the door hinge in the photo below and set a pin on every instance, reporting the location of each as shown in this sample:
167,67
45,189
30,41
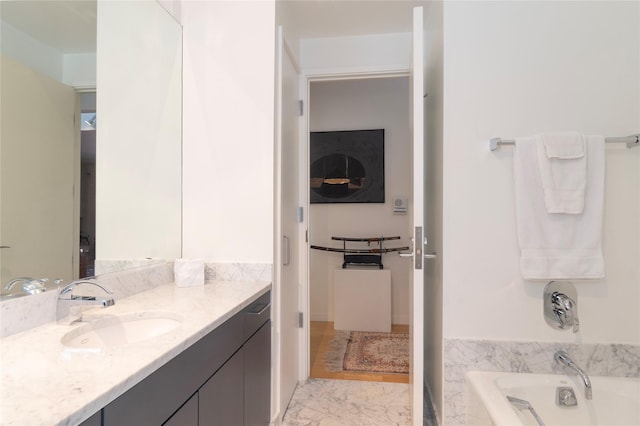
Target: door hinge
306,236
300,320
300,107
300,214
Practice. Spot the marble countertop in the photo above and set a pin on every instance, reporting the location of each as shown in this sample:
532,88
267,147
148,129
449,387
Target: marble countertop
44,383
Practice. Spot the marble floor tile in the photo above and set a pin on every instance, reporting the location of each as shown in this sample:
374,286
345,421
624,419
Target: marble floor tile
321,402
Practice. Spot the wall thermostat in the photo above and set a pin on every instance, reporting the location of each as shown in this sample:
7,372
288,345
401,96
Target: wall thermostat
400,205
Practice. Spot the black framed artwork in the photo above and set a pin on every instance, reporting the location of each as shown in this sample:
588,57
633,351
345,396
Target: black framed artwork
347,166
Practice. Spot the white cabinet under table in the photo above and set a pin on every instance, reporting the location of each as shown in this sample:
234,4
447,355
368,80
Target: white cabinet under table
362,299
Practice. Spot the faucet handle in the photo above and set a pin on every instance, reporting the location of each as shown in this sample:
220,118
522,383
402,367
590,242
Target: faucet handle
562,301
560,306
561,317
566,310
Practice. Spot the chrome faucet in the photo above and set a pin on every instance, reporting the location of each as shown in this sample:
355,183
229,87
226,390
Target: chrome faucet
29,286
79,302
15,281
565,360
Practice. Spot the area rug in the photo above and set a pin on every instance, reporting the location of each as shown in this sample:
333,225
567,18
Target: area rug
369,352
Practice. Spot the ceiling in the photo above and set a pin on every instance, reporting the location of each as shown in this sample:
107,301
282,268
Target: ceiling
68,26
342,18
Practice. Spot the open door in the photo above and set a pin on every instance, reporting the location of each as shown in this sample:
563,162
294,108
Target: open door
39,237
288,228
416,295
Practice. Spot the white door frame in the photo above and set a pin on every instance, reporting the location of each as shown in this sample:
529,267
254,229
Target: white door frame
278,405
306,79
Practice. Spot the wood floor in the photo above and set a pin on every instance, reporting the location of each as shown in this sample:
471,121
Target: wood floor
321,335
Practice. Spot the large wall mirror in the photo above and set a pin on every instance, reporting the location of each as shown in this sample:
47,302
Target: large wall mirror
90,142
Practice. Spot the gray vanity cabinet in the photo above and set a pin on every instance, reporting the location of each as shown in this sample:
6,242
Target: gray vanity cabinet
156,398
222,397
187,415
223,379
238,394
95,420
257,377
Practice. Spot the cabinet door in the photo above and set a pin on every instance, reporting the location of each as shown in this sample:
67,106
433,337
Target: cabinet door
95,420
187,415
221,398
156,398
257,377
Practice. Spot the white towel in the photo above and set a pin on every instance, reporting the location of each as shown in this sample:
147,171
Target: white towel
563,171
558,246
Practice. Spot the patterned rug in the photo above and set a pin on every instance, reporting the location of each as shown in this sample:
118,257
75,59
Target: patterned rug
369,352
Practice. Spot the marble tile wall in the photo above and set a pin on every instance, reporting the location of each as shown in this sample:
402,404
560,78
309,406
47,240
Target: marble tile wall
108,266
238,272
23,313
137,279
462,355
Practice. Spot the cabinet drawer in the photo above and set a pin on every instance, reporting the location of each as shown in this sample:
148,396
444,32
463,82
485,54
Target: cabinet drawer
256,314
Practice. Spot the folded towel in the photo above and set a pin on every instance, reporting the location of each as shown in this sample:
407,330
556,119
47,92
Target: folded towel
563,171
558,246
565,146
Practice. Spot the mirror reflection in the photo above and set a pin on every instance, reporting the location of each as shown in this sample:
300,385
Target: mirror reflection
90,139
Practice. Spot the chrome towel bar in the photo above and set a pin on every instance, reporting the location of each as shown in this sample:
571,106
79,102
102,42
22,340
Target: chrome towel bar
631,141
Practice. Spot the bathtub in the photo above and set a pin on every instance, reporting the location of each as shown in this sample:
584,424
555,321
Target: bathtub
616,400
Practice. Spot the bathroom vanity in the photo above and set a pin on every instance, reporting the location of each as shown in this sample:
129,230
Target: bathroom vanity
214,368
223,379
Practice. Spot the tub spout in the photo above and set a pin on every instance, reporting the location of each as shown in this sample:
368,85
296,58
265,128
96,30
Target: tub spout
564,359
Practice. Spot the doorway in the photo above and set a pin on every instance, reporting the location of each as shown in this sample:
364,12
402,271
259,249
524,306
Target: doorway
88,124
376,102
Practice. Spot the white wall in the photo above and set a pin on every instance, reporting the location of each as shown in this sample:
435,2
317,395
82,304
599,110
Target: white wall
174,7
379,52
228,130
138,210
354,105
287,18
516,69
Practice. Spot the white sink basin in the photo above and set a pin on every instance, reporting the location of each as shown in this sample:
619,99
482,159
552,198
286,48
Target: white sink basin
121,330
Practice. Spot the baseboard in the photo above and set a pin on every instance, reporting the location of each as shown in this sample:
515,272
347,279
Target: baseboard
276,420
319,317
397,319
400,319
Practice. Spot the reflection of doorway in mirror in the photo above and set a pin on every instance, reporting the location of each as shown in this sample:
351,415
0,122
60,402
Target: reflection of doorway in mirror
87,246
37,174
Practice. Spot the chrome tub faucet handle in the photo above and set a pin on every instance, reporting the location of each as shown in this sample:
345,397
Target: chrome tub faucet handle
565,310
560,305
